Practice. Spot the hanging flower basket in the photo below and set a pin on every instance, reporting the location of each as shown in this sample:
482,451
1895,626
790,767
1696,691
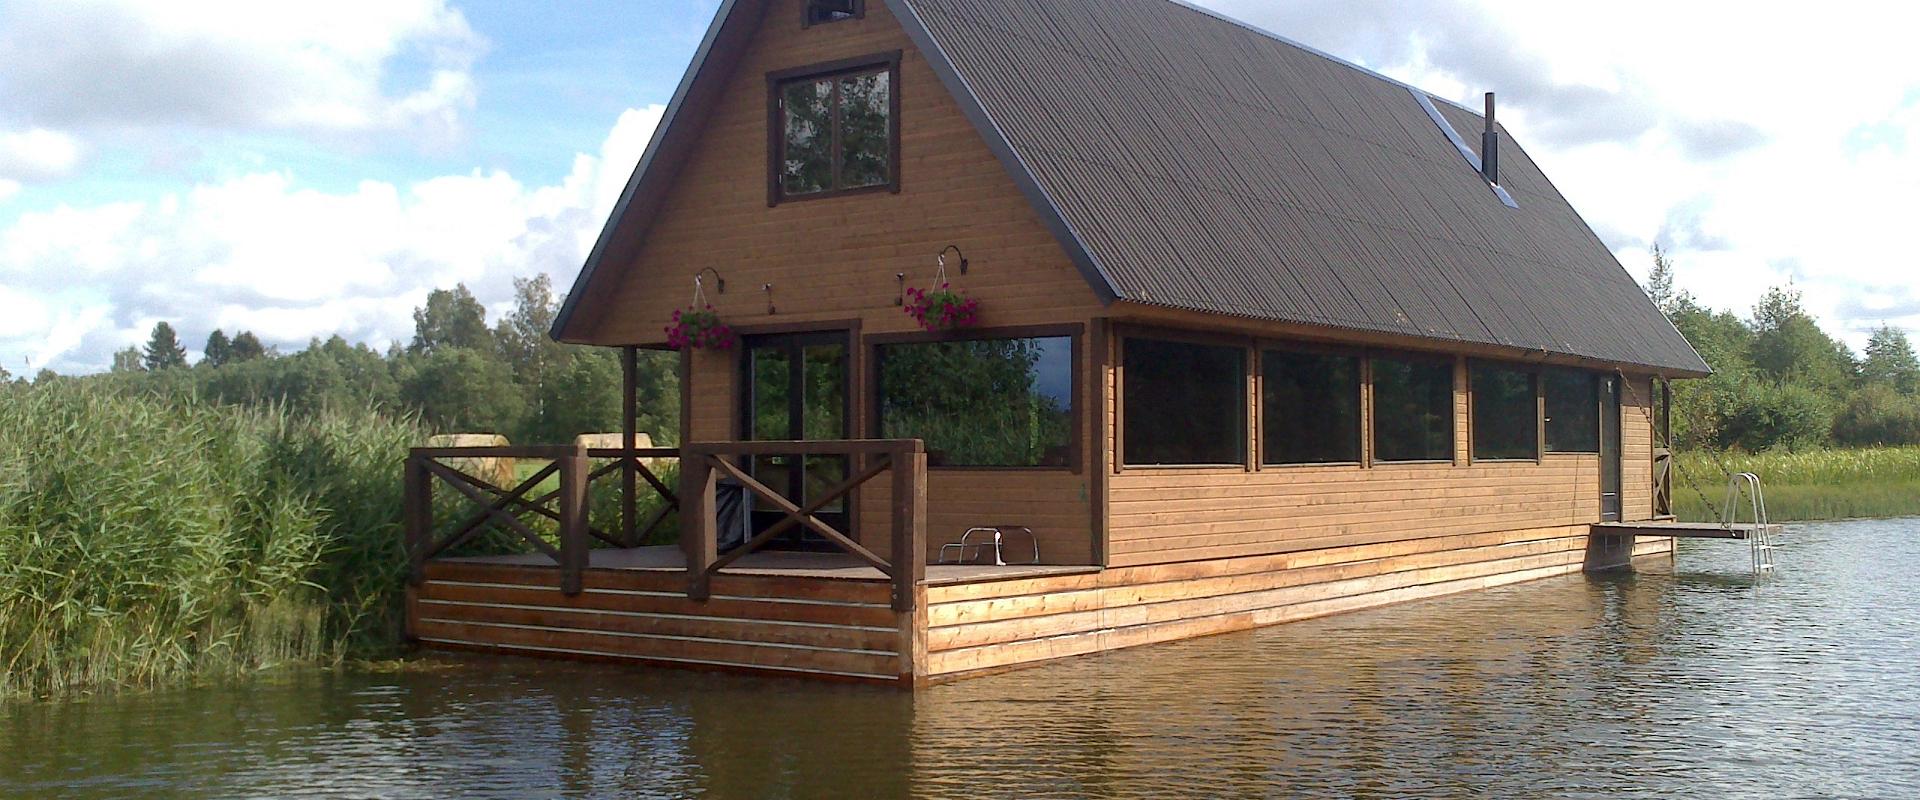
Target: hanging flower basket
942,309
699,328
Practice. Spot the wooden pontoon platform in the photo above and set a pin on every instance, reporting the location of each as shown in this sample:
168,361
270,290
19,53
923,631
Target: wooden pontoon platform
1681,530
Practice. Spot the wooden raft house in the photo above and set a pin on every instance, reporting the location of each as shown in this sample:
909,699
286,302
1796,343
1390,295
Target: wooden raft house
1240,334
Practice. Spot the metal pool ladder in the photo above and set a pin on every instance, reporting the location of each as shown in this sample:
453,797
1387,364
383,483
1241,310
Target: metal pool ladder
1746,486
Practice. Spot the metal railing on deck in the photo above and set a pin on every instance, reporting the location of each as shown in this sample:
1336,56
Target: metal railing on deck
703,463
499,507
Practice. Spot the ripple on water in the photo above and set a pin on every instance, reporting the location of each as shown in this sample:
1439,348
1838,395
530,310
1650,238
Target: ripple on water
1693,679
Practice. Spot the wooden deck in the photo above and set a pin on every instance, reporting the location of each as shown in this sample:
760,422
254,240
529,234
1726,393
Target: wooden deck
1680,530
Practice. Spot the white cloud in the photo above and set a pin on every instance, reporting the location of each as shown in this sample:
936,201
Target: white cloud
37,154
8,188
89,64
260,252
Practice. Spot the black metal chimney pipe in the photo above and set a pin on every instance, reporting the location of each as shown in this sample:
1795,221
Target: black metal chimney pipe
1490,148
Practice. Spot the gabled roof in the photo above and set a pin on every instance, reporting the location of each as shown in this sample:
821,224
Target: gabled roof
1190,161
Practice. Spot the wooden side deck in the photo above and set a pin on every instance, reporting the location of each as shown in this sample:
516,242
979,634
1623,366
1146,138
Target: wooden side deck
1682,530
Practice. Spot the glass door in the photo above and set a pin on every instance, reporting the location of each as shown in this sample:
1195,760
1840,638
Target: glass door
1610,453
796,387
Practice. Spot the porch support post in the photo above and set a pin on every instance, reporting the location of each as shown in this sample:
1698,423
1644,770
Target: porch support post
629,442
699,527
909,557
417,514
573,519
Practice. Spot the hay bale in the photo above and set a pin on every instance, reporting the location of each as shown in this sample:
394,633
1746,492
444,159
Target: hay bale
497,471
614,441
611,441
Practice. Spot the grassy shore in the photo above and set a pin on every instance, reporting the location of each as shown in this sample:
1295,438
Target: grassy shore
1806,485
145,541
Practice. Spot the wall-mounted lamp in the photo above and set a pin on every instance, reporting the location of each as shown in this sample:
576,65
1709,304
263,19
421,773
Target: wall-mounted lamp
900,283
768,288
942,258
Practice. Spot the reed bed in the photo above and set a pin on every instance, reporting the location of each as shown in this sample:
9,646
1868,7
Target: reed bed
146,540
1806,485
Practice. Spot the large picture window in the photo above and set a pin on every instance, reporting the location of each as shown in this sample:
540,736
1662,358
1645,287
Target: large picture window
981,403
1506,414
836,130
1573,411
1310,404
1412,409
1184,404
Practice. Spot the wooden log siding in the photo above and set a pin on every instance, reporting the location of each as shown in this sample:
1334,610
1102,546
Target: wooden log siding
983,627
1167,516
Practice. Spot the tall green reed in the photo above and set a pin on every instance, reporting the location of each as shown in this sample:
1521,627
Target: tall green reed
1807,484
145,540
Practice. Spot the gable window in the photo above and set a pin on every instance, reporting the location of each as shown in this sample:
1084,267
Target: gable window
981,402
1412,409
1185,404
1311,408
1506,414
1573,411
821,11
835,129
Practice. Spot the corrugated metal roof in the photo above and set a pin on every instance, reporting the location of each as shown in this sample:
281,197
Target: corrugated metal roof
1198,163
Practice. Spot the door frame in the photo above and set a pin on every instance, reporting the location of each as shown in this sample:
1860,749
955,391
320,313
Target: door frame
1612,447
845,331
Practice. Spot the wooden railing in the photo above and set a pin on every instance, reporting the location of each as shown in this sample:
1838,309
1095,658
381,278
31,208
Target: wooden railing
502,508
1662,482
704,463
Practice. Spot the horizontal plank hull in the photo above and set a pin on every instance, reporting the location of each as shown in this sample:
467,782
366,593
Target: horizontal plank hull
989,627
816,627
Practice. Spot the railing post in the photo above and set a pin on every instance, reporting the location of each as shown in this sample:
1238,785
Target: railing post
699,525
573,519
909,558
629,441
417,514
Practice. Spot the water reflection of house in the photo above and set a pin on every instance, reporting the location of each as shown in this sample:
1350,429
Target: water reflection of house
1260,335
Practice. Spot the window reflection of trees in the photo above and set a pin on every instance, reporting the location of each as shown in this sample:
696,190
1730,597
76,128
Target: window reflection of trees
989,402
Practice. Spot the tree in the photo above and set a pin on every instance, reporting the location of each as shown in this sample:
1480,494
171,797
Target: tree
1891,361
128,360
219,349
163,349
460,390
1789,346
246,347
450,319
1660,283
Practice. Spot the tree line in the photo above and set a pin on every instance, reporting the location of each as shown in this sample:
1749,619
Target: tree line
458,374
1780,381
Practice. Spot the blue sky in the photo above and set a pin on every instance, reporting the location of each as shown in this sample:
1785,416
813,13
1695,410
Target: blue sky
302,171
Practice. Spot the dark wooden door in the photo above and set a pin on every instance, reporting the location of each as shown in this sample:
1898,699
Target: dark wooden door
1610,448
795,386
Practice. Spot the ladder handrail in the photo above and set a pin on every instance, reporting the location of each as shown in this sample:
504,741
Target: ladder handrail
1747,485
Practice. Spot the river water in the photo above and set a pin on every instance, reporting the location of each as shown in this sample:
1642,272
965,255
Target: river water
1691,679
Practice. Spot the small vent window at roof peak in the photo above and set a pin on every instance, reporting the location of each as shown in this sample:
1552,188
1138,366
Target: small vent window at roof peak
823,11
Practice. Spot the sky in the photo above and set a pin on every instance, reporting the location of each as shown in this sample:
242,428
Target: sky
305,170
